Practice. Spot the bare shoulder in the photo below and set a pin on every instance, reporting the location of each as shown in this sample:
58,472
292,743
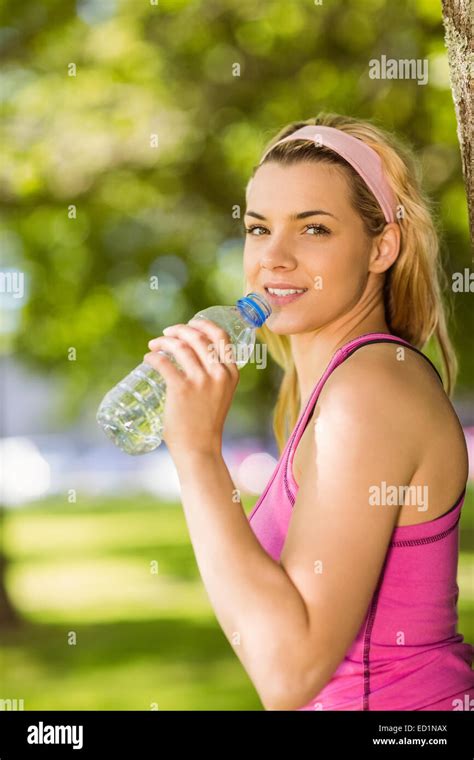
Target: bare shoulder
398,366
383,396
394,380
391,391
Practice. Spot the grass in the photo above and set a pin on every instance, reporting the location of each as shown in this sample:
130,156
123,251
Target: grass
115,615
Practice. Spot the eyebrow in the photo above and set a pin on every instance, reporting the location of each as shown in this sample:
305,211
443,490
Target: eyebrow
294,217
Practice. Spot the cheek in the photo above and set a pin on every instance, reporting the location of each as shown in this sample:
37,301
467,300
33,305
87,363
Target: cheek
339,282
250,265
343,272
249,274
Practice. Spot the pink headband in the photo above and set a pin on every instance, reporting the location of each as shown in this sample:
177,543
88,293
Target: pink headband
357,153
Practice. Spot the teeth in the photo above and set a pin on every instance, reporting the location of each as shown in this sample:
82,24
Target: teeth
287,292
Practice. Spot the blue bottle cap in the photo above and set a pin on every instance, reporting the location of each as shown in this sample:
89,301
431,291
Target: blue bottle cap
255,307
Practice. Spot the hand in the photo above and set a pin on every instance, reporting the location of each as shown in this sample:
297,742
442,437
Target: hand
199,397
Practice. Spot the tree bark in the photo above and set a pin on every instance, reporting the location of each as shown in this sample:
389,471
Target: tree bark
9,617
457,15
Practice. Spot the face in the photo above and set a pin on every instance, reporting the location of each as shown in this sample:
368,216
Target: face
327,253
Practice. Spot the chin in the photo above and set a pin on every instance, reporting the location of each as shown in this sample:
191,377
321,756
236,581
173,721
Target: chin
289,327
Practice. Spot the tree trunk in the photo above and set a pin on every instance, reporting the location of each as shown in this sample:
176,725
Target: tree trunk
9,617
458,38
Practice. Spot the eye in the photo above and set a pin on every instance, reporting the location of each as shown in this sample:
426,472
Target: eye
249,230
321,229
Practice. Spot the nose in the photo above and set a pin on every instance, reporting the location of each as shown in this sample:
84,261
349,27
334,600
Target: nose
276,253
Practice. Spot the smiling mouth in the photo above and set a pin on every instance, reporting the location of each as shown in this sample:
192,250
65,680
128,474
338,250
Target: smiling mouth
284,296
284,292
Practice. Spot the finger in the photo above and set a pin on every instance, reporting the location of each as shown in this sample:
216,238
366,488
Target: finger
215,332
163,364
206,350
224,349
184,354
154,341
195,338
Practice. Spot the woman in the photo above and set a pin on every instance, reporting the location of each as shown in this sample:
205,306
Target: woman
339,591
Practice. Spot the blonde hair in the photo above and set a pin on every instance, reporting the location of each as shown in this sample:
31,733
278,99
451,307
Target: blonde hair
412,293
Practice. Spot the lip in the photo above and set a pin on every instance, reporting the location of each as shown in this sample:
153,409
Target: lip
282,300
281,285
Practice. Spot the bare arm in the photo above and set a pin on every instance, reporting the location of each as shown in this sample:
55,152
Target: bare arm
289,625
260,610
255,601
291,622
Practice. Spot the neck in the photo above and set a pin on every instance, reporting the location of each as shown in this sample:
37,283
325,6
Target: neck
312,351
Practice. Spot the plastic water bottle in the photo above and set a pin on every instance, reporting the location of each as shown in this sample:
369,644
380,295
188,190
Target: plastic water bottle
131,413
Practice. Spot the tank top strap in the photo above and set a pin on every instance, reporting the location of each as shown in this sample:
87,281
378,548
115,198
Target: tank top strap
362,340
339,356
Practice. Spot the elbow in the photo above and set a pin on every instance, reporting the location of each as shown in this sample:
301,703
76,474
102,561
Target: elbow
295,693
282,702
285,699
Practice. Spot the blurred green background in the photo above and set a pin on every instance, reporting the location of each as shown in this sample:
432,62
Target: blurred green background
130,129
144,639
121,575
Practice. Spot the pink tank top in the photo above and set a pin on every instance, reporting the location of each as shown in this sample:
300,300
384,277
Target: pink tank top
415,599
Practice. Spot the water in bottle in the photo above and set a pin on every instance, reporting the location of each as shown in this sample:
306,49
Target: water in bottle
131,413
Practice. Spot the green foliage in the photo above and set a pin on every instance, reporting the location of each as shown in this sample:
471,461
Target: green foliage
142,69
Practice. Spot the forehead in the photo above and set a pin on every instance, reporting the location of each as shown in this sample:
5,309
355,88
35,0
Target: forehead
275,186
